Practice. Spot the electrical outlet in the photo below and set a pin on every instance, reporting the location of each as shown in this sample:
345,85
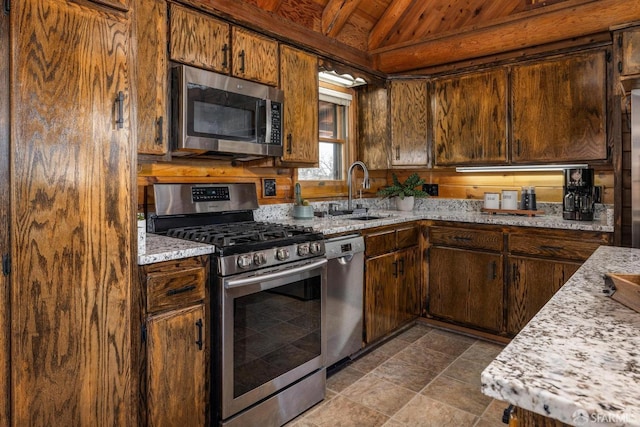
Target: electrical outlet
268,187
430,189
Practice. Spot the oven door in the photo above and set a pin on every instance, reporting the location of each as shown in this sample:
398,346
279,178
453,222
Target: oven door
273,331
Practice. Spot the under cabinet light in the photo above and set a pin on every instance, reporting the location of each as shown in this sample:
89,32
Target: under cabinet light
520,168
344,80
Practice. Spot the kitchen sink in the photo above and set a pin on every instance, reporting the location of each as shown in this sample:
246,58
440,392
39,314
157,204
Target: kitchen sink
366,218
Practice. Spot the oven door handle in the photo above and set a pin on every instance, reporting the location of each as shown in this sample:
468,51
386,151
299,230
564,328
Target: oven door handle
234,283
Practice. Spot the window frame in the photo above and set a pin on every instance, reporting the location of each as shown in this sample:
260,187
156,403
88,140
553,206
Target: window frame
318,189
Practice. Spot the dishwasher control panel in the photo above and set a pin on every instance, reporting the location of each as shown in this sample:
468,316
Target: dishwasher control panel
342,246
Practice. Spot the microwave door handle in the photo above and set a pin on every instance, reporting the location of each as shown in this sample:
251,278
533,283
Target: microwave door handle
235,283
267,118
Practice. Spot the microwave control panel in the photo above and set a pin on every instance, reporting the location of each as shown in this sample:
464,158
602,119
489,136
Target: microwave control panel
276,123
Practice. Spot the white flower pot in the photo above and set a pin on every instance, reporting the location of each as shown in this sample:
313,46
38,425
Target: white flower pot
405,204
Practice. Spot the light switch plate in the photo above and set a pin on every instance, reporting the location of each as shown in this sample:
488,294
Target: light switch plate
268,187
430,189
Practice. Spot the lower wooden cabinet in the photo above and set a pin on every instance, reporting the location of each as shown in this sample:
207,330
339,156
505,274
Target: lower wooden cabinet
467,287
173,356
392,279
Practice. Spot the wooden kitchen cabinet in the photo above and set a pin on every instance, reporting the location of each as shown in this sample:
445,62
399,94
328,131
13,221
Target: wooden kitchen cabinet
559,109
374,147
629,46
254,57
392,279
174,357
150,75
466,277
72,210
299,75
539,264
198,39
470,119
408,114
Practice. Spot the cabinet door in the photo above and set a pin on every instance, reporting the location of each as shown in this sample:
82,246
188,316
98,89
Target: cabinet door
150,74
559,109
470,119
466,287
532,283
72,214
409,285
299,73
177,368
254,57
409,123
374,147
199,40
380,296
630,45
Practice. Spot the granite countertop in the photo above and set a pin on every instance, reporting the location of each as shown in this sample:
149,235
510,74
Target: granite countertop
163,248
578,359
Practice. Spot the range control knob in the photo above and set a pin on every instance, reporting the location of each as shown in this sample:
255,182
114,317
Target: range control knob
259,258
315,247
245,261
303,249
282,254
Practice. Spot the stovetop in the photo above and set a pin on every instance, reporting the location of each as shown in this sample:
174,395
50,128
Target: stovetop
245,236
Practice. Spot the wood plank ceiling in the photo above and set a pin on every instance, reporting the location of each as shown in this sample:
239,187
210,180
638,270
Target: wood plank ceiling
402,36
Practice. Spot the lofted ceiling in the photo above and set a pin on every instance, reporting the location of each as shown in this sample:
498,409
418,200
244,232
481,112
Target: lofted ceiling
404,36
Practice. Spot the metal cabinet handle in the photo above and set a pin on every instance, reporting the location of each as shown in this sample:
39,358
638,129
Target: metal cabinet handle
550,248
494,270
513,272
401,265
199,341
225,52
120,106
397,153
159,123
462,238
499,148
395,268
182,290
289,144
518,147
242,55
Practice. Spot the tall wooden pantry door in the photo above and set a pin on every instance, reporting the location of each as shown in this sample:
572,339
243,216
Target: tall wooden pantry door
71,214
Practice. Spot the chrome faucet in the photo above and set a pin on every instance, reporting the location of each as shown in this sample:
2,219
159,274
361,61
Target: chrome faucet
365,181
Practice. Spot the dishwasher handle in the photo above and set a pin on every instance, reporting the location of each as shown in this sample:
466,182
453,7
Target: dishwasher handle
344,260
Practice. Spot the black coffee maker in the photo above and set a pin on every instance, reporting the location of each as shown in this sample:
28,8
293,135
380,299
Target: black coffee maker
580,195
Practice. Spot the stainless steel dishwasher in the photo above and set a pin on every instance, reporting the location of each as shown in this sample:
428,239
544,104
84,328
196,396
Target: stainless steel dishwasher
345,292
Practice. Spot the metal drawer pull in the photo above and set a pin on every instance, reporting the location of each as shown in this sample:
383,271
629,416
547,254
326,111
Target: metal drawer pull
199,342
181,290
462,239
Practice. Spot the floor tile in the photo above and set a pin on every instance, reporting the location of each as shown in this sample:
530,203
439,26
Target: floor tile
370,361
379,394
461,395
405,374
342,412
418,354
446,342
414,333
466,371
343,379
393,347
422,411
495,410
482,352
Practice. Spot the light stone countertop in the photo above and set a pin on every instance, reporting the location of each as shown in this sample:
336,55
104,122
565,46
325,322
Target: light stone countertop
163,248
578,359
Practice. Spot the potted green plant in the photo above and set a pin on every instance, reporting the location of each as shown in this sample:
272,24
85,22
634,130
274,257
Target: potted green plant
404,192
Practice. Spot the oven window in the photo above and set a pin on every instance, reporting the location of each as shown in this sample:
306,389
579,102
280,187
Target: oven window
275,331
219,114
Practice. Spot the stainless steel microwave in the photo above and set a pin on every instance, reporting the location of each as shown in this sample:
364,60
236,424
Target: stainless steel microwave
221,116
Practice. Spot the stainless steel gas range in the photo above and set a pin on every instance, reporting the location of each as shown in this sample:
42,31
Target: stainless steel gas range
268,293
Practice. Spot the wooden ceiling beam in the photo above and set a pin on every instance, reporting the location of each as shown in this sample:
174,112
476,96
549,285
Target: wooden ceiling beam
269,5
560,24
391,16
335,15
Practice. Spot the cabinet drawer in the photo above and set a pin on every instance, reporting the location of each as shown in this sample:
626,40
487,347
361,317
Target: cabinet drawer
466,238
552,247
380,243
407,236
170,290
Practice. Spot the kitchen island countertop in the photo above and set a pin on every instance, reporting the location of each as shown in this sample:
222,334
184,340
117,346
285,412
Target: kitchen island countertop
578,359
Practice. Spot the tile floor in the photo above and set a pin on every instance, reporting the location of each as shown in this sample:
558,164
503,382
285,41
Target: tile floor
422,377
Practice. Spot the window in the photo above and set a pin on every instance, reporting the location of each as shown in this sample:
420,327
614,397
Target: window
333,139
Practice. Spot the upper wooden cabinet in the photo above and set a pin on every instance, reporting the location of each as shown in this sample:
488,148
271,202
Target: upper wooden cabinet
254,57
559,109
470,118
409,123
150,75
374,148
299,75
199,40
629,44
